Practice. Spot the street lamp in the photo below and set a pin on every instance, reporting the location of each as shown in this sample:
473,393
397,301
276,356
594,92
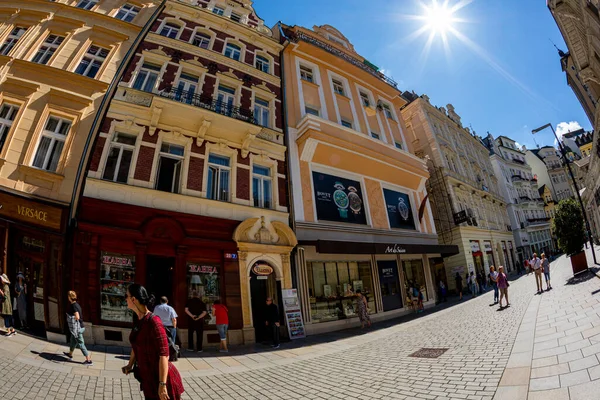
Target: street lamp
566,160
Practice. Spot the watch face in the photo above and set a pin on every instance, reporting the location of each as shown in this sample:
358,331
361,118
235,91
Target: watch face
355,202
403,209
340,199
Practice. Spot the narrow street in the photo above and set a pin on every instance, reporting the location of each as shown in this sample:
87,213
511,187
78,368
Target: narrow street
542,347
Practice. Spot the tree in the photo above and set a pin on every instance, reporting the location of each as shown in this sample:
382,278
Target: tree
569,227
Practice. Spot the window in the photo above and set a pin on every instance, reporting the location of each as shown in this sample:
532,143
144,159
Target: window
261,112
233,51
169,168
47,49
186,88
235,17
170,30
310,110
262,63
119,158
347,123
338,87
398,145
306,74
127,13
201,40
365,99
375,135
225,100
203,278
219,170
92,61
8,112
387,110
262,187
11,40
147,77
51,143
87,4
218,11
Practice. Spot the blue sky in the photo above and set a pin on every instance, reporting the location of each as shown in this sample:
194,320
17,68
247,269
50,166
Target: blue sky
505,79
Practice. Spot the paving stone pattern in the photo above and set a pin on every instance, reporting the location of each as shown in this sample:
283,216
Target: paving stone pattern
374,365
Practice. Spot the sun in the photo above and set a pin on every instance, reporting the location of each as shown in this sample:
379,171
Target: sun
438,17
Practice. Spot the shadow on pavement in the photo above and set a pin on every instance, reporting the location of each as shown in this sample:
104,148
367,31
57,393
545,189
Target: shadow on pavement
583,277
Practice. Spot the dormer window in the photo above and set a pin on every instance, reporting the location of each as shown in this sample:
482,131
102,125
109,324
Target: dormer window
233,51
218,11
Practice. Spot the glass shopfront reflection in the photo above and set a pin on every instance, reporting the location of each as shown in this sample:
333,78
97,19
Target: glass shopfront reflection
414,276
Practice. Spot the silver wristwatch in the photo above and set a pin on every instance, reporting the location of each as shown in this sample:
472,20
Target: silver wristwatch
162,384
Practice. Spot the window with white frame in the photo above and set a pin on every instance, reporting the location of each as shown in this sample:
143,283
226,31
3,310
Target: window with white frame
47,49
219,173
8,112
346,123
12,40
398,145
338,87
375,135
146,77
387,110
92,61
51,143
263,64
306,73
170,162
127,12
262,112
235,17
201,40
87,4
218,11
311,110
233,51
262,186
119,158
170,30
225,100
365,99
187,87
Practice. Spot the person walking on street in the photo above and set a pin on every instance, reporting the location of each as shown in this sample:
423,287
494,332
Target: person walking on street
472,284
272,315
76,328
196,311
7,308
536,265
221,313
168,317
363,311
502,287
546,270
494,281
527,269
442,291
21,292
159,379
459,285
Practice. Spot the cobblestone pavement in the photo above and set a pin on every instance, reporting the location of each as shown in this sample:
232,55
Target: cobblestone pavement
374,365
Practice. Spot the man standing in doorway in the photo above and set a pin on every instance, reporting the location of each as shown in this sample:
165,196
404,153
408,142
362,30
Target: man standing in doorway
536,265
196,311
272,322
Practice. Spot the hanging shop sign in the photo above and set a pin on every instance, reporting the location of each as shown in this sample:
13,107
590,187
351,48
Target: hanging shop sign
293,315
399,210
338,199
475,246
262,269
487,245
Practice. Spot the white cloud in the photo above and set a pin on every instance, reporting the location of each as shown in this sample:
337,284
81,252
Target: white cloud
566,127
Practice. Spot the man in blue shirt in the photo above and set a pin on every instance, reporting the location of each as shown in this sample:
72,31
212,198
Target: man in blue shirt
168,316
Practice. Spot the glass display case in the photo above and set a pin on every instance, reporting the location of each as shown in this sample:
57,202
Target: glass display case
117,272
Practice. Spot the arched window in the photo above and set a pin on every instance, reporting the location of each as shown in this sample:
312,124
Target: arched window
170,30
233,51
263,64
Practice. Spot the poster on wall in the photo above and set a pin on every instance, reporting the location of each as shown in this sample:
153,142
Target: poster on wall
338,199
117,272
293,316
399,210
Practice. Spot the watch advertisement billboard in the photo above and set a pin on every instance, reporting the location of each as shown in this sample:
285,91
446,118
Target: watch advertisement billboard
338,199
399,210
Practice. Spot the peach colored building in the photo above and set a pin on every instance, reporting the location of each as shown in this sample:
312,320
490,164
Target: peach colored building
360,205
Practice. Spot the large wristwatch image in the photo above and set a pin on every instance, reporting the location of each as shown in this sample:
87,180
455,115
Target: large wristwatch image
340,198
354,199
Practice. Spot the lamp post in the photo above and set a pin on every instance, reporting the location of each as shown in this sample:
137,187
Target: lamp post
566,160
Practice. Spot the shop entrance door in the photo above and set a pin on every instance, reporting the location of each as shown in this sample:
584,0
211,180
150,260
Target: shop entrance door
159,277
391,297
262,287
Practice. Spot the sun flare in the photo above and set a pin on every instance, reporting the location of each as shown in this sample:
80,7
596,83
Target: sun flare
438,17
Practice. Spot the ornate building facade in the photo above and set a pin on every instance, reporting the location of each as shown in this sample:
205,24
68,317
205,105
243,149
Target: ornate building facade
547,164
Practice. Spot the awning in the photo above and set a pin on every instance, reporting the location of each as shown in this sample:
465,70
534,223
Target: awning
338,247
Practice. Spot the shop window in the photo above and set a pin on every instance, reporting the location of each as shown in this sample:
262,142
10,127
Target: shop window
204,280
8,112
201,40
169,168
262,187
127,13
119,158
51,143
117,272
87,4
219,170
170,30
92,61
46,51
146,77
262,112
12,40
306,73
218,11
332,289
262,63
414,277
233,51
33,245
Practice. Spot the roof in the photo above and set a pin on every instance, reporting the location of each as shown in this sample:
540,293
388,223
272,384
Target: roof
542,189
574,133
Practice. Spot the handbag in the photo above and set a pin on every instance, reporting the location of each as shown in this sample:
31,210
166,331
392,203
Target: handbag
136,372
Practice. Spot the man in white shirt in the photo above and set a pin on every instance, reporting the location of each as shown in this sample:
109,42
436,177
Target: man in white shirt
536,264
168,316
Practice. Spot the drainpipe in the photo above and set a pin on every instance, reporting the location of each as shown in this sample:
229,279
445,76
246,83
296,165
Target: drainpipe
84,163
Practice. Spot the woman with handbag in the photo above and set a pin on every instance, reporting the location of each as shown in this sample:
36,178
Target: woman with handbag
21,292
76,328
503,287
7,308
159,379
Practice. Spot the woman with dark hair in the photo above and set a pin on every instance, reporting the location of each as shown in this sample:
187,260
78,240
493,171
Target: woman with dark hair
159,379
363,312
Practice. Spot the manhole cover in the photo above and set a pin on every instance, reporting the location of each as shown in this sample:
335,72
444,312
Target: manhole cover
428,353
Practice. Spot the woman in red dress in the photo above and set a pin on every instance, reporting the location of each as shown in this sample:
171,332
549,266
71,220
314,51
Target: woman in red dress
160,380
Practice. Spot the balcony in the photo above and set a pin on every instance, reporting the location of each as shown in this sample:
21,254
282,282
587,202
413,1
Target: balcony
518,161
517,178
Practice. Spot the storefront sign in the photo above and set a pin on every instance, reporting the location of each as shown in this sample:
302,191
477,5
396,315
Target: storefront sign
487,245
202,269
338,199
460,217
262,269
113,260
395,249
399,210
30,211
475,246
293,315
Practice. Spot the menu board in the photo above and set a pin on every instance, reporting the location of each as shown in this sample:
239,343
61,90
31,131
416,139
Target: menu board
117,272
293,316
